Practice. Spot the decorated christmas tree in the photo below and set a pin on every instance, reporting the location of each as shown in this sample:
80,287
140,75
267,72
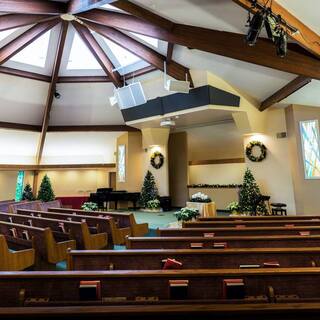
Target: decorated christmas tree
250,195
27,193
45,193
149,190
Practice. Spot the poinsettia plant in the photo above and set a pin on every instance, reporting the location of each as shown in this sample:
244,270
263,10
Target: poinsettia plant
89,206
187,214
200,197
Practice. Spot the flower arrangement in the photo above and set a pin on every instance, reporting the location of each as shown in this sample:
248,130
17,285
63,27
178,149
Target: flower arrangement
187,214
233,206
200,197
153,204
89,206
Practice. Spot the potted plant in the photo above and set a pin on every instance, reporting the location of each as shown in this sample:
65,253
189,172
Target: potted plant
89,206
200,197
233,207
187,214
153,205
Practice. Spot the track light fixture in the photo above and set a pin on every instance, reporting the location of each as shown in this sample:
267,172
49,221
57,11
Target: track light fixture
57,95
273,24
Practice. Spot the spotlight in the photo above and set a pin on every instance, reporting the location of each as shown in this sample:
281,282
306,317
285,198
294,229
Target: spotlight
57,95
255,26
281,43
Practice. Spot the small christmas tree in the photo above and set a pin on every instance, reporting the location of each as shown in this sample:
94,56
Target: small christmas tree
149,190
45,192
27,193
250,195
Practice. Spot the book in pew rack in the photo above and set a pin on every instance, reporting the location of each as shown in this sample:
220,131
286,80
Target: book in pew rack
233,289
90,290
171,264
178,289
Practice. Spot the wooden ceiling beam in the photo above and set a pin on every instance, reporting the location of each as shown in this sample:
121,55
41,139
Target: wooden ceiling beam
33,7
78,6
228,44
142,51
11,21
24,74
306,37
284,92
98,53
92,128
170,51
144,14
19,43
52,89
19,126
83,79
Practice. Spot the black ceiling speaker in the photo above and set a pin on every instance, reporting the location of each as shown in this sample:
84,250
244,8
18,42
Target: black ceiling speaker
281,44
255,26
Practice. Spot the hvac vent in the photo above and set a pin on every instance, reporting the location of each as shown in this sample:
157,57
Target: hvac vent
281,135
130,96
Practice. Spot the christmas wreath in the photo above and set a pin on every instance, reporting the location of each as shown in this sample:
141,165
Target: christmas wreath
157,160
262,148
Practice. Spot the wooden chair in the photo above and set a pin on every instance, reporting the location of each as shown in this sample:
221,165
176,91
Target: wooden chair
15,261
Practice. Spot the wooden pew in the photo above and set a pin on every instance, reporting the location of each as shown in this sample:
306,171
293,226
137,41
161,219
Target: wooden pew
62,288
5,205
182,310
261,218
102,224
246,231
32,205
78,231
191,258
43,206
48,250
15,261
250,223
277,241
123,219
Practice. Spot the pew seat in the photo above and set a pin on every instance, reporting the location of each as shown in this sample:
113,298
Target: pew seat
15,261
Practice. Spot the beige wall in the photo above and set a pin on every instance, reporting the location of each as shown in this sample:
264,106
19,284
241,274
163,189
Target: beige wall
8,181
134,161
76,182
306,190
273,174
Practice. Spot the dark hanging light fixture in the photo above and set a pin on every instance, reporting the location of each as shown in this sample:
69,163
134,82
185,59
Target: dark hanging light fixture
255,27
281,43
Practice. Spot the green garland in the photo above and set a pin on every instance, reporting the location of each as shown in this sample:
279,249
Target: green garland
261,146
157,160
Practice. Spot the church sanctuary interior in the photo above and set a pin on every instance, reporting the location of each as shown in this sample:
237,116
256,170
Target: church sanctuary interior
159,159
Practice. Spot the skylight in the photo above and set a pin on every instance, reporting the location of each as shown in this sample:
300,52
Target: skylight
152,41
124,57
6,33
80,56
111,8
35,53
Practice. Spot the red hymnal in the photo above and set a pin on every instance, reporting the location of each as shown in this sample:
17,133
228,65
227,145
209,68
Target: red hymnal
220,245
90,290
208,235
196,245
172,264
233,289
240,226
271,264
304,233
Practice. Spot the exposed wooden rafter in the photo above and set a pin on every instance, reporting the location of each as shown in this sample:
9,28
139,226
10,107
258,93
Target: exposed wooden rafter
20,126
222,43
10,21
83,79
25,39
77,6
284,92
306,37
33,7
170,51
99,53
51,91
24,74
147,54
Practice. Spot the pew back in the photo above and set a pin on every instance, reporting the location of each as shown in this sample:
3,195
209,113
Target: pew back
192,259
32,205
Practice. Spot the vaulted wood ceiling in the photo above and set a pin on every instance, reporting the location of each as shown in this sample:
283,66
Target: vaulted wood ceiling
302,59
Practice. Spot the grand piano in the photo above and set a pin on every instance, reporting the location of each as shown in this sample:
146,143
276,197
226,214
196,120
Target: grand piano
105,195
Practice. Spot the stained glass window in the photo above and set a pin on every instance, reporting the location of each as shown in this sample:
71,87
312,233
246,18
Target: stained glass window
121,163
19,186
309,131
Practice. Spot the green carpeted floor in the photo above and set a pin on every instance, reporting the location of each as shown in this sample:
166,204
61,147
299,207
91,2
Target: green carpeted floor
155,219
